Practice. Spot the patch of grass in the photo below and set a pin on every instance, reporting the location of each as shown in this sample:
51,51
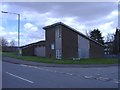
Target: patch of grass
63,61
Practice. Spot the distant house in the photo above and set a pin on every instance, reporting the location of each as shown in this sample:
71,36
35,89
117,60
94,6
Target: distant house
108,50
63,41
113,48
34,49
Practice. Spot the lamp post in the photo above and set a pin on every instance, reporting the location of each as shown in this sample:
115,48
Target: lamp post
18,29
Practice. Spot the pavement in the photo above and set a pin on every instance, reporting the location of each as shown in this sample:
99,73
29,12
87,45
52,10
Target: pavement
18,61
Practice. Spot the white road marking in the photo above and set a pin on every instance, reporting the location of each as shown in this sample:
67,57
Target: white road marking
38,68
116,81
19,77
44,69
69,73
104,79
23,65
97,76
89,77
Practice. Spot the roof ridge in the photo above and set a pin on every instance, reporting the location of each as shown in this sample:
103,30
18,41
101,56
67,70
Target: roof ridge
73,30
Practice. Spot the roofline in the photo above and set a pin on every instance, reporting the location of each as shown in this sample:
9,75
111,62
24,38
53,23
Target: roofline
10,46
53,25
60,23
31,44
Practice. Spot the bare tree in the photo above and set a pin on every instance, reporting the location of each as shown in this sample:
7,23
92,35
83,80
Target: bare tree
12,43
3,41
87,33
110,37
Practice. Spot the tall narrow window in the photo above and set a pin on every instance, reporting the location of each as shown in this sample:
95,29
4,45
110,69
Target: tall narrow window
58,31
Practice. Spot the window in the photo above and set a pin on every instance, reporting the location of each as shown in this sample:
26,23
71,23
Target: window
52,46
59,33
58,54
58,30
105,52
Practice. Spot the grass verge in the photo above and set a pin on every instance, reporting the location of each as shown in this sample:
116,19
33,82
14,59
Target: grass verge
63,61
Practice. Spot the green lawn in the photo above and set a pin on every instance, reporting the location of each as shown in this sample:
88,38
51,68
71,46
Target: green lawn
65,61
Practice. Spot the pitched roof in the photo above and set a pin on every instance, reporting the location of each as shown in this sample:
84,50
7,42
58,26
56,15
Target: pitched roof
35,43
60,23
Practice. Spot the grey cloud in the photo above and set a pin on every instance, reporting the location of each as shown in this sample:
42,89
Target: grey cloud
85,11
36,6
88,13
81,9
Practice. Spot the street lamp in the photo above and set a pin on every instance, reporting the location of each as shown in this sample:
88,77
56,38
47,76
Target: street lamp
18,29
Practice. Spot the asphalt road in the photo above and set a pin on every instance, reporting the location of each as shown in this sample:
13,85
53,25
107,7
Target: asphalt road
24,76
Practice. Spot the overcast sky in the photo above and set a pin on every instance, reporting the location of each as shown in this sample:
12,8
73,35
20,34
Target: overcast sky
82,16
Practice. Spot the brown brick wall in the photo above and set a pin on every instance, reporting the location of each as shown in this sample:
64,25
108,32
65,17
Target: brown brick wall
69,43
28,51
96,51
50,38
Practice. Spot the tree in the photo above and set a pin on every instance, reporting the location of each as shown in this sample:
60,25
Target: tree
117,42
12,43
3,41
97,36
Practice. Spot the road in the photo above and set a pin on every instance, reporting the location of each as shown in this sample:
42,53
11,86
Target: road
24,76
